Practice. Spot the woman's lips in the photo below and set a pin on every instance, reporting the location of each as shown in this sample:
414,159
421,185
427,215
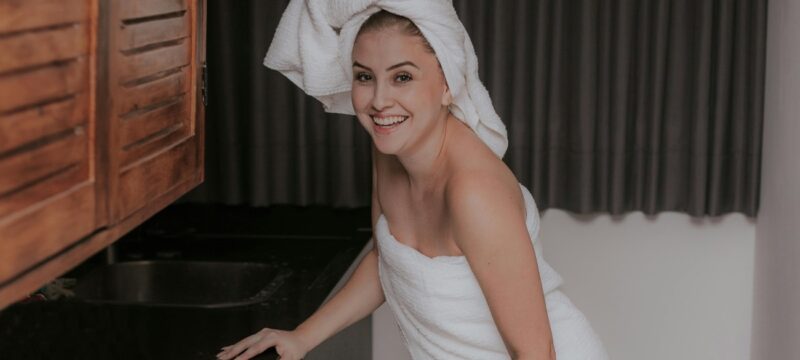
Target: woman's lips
392,123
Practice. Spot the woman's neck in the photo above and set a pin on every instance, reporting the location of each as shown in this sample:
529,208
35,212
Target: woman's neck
426,164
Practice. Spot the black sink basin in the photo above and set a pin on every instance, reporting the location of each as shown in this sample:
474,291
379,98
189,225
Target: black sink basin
204,284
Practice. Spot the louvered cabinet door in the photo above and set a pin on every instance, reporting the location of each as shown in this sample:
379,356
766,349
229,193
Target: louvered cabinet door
156,57
51,192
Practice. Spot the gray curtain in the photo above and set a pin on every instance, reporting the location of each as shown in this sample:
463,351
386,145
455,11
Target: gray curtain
611,106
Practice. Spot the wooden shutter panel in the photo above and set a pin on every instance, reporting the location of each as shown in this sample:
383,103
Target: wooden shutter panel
155,66
101,126
49,196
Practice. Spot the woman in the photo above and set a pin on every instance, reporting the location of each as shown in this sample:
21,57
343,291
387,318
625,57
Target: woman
454,257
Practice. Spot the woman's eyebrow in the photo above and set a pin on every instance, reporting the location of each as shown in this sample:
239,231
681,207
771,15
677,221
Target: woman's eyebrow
401,64
356,63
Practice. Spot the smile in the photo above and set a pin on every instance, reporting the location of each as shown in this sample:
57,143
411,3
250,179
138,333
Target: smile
388,121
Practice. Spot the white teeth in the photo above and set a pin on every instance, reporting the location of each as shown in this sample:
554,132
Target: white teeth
389,120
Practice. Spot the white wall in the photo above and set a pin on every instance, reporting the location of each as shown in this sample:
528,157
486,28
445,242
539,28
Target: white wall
666,287
663,287
386,341
776,315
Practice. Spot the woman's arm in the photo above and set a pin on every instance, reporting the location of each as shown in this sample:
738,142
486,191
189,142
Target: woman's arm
489,227
359,297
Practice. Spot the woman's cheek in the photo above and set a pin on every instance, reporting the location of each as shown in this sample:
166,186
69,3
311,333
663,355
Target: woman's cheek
360,92
362,119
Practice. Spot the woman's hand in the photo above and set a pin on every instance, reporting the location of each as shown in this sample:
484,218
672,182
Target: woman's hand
288,344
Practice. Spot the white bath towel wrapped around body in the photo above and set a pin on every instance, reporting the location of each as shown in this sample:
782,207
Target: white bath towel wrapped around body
442,312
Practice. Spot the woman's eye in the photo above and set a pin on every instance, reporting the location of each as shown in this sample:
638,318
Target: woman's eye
363,77
403,78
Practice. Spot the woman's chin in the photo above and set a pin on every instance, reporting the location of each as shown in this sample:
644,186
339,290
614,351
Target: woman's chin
388,140
385,147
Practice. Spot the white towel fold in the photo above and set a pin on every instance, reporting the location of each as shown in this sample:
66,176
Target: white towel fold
315,36
443,315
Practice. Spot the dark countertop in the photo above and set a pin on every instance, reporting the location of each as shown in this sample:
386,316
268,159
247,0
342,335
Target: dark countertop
319,245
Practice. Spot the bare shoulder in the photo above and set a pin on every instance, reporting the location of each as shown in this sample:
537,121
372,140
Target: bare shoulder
486,189
478,177
486,214
477,192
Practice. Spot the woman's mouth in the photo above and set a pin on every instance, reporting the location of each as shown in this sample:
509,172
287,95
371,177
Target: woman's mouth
387,122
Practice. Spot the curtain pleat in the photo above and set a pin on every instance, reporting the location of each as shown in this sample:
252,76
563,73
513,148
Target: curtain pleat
611,106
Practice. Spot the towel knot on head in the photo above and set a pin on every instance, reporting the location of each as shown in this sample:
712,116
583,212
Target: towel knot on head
315,36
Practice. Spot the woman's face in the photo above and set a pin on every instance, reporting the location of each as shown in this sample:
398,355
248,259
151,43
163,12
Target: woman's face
399,92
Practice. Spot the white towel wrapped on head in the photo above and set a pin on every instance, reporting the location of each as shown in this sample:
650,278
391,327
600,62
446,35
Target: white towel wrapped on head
316,36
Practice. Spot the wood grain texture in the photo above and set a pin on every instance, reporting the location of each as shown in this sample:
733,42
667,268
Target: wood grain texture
19,15
156,31
53,185
141,126
31,236
135,98
140,65
42,161
48,194
142,142
146,8
143,150
156,176
30,279
34,48
101,109
28,126
52,82
155,101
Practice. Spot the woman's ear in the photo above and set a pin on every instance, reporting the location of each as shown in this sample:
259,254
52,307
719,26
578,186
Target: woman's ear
447,98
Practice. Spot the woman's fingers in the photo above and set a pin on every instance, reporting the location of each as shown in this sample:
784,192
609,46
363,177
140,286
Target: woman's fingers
251,345
234,349
256,349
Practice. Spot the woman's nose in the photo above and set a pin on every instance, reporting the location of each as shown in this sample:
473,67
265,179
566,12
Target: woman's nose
382,98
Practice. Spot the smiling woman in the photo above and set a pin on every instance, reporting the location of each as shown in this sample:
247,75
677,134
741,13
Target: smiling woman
456,256
398,86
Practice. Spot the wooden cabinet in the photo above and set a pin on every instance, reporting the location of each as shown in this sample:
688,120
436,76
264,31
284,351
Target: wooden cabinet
101,126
